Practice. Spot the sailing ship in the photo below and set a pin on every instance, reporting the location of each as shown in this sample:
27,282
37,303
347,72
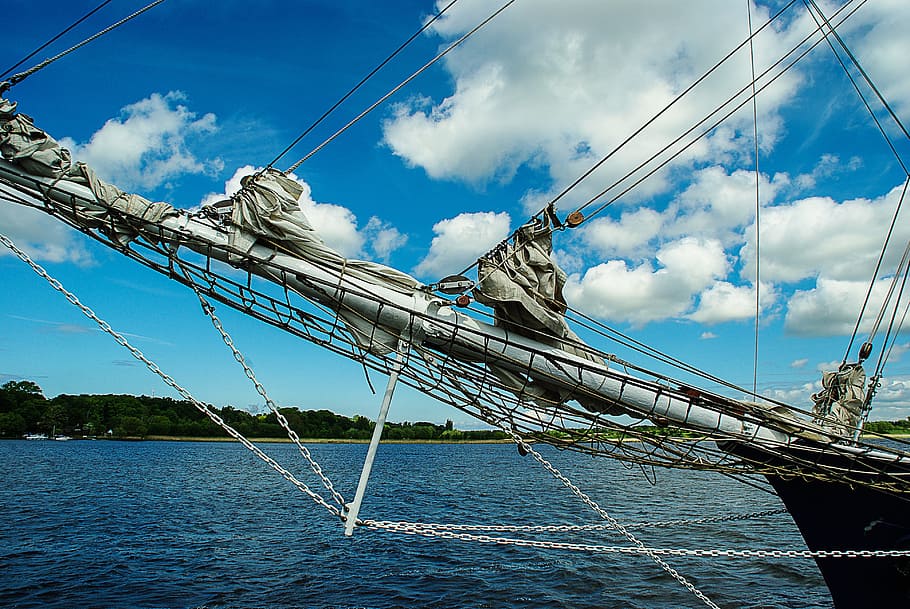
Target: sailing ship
495,341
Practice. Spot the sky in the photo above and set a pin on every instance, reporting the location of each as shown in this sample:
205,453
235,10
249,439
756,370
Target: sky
182,101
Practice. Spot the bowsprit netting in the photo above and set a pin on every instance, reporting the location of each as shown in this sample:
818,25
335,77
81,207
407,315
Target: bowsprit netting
453,358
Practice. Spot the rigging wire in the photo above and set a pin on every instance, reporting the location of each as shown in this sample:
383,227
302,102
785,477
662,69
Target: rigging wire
663,110
547,211
833,33
54,39
757,203
400,86
361,83
878,266
713,126
855,61
17,78
900,276
639,346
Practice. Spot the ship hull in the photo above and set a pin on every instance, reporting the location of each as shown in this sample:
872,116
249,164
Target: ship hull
838,516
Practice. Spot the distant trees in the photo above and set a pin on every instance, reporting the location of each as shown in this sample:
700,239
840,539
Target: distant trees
23,409
889,427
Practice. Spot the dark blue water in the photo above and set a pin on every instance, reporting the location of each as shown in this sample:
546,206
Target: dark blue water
187,525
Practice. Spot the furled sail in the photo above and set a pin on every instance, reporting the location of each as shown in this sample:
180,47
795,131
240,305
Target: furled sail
266,208
39,154
839,405
523,285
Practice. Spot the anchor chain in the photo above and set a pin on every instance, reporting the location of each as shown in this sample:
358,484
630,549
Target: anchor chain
204,408
282,420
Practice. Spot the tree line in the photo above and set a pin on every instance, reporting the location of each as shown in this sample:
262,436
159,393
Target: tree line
24,409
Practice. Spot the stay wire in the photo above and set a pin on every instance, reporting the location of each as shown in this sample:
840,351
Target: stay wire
855,61
666,108
400,86
17,78
900,276
832,33
713,126
54,39
878,266
757,204
360,84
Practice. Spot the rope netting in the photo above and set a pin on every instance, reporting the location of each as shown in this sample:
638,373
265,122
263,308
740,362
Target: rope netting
469,533
439,368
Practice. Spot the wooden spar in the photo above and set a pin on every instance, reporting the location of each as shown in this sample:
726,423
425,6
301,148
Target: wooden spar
430,321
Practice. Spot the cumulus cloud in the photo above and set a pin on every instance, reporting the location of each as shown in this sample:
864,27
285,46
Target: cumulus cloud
524,95
336,225
724,301
820,236
831,307
148,144
41,237
459,241
643,293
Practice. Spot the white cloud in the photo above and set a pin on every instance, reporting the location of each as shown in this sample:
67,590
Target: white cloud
724,301
41,237
831,307
881,44
641,294
626,237
147,145
525,95
336,225
459,241
383,238
820,236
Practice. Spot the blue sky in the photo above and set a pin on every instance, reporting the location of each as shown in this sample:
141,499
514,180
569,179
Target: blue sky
176,103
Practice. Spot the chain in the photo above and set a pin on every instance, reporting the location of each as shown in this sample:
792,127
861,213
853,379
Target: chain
204,408
640,547
282,420
415,528
575,528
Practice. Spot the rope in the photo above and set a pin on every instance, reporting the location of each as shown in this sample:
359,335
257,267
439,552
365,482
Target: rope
713,126
17,78
855,61
400,86
54,39
361,83
663,110
206,409
757,203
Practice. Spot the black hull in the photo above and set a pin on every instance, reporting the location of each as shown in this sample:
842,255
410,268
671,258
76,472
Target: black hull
839,516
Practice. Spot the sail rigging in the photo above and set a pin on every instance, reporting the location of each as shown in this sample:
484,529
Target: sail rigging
526,363
536,390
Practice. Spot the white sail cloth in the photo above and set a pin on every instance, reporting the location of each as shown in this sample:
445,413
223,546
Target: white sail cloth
523,285
266,209
839,405
39,154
